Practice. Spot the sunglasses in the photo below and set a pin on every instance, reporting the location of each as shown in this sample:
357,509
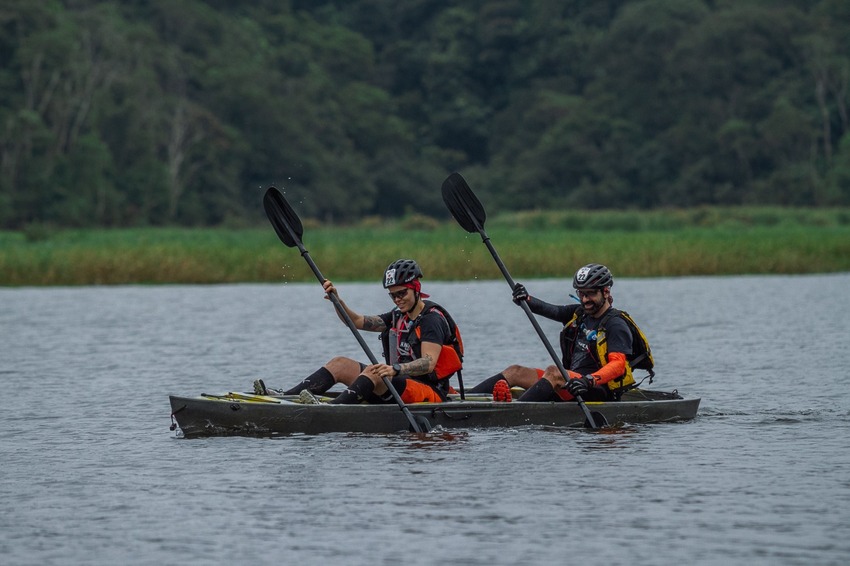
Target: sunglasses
589,293
398,295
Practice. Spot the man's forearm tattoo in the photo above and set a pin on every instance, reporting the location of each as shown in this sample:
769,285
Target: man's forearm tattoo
418,367
374,323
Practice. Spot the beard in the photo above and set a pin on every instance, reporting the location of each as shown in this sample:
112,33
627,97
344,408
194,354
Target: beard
593,306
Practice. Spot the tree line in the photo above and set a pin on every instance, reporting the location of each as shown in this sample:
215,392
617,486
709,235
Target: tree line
155,112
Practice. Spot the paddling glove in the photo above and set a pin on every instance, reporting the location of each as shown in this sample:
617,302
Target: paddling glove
520,294
580,385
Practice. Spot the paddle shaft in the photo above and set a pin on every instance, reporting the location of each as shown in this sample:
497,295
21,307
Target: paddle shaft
339,308
347,319
524,304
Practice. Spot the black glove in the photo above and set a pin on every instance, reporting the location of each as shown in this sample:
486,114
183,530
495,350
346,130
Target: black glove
580,385
520,294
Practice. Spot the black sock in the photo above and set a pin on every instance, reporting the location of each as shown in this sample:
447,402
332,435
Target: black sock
540,391
399,383
317,382
486,386
355,393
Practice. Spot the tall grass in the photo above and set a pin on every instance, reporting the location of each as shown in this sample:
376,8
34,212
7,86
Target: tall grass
541,244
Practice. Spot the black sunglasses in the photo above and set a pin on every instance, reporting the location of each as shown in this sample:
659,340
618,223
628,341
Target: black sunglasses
587,293
398,295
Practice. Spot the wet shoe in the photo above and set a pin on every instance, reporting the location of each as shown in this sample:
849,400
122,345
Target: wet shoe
307,398
261,389
502,392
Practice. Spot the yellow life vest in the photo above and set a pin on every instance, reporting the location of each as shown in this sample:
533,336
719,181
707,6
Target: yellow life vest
640,358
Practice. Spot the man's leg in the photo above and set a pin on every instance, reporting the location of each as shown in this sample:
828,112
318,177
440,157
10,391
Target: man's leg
338,370
515,375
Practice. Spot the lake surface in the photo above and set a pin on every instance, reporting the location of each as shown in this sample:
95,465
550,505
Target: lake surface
91,473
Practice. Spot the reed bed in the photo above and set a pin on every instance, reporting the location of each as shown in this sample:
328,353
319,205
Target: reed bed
532,245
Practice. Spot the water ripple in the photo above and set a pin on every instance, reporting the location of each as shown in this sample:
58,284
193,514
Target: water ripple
91,473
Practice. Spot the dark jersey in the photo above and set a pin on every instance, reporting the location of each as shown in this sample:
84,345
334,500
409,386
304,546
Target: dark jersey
583,358
433,328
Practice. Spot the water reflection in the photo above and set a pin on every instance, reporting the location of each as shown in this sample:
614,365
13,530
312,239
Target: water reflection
759,477
617,435
437,439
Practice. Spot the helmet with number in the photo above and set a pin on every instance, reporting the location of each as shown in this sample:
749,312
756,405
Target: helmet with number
400,272
593,276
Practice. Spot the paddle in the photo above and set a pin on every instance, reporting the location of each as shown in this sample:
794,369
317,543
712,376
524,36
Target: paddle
289,229
470,214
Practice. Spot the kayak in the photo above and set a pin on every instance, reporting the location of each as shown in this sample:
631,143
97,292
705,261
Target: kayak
246,414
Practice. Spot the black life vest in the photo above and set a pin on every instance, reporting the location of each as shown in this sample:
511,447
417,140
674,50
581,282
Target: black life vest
450,360
640,358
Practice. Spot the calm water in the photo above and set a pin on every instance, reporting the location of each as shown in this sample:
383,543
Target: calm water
91,473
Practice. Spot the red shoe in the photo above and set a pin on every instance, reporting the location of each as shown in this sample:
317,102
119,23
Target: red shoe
502,391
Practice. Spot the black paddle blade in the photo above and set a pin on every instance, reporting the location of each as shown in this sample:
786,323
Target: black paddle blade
284,220
599,420
424,424
463,204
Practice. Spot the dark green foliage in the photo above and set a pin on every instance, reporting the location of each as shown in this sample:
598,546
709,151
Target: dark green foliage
182,113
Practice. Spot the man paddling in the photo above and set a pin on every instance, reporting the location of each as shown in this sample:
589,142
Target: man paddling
422,349
597,342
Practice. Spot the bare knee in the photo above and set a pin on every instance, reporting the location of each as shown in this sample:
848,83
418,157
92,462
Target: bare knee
372,373
553,375
520,376
343,369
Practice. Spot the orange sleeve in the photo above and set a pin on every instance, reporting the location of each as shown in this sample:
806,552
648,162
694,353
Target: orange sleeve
615,367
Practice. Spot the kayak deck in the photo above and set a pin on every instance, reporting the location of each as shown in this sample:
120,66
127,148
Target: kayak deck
261,415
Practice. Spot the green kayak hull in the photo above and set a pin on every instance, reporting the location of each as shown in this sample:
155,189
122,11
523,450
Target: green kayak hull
246,414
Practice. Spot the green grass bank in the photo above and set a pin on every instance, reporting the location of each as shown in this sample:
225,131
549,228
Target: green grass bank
710,241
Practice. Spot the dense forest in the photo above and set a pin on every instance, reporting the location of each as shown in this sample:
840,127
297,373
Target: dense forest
163,112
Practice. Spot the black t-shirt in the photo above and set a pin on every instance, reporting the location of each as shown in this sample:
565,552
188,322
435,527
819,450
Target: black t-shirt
433,328
619,335
619,340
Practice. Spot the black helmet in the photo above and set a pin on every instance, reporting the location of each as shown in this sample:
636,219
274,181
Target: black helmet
593,276
400,272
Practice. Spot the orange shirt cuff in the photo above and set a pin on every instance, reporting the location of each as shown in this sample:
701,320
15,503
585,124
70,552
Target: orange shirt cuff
615,367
